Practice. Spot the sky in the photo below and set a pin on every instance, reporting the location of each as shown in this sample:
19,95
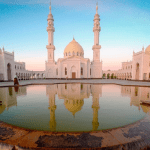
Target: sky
125,27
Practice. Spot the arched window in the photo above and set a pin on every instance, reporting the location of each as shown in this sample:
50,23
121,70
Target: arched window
77,54
90,71
69,54
65,71
15,66
81,71
57,71
66,54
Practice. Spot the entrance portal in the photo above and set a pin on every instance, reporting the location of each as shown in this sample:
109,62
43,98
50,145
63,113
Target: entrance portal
9,71
73,75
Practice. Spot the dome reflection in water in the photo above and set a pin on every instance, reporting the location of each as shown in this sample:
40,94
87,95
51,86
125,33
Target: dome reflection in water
73,107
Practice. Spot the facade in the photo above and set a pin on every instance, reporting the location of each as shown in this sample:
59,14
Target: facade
137,69
9,68
73,65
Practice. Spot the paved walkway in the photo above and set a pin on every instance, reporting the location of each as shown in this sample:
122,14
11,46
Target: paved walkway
100,81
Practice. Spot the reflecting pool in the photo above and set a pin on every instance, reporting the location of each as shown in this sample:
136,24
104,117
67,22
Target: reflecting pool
73,107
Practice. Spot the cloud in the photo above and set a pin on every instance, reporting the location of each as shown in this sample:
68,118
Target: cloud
68,4
54,2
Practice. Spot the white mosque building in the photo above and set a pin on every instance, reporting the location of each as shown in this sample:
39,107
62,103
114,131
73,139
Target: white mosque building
73,65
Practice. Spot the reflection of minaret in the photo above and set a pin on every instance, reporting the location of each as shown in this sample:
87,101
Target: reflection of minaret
52,112
95,107
96,91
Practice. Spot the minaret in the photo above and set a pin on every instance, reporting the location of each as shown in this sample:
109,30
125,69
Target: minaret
50,29
96,29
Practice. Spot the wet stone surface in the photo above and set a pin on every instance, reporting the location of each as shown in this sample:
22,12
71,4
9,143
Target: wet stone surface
140,130
84,140
6,133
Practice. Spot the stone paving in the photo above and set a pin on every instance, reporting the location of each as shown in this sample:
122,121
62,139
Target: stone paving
100,81
135,136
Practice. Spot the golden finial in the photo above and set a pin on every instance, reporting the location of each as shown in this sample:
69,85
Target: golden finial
50,7
97,8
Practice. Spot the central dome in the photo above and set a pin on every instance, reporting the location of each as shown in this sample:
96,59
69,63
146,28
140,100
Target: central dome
73,47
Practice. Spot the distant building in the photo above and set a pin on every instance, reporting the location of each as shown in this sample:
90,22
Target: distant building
9,68
137,69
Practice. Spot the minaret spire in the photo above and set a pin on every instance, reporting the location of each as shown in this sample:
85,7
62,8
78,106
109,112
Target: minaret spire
50,7
97,8
143,48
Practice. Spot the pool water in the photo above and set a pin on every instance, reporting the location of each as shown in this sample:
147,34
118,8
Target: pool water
72,107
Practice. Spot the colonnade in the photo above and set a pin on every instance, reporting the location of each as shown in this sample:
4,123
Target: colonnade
123,76
28,76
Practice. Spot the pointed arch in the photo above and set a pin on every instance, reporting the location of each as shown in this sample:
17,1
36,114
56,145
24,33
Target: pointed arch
81,70
9,71
57,71
65,71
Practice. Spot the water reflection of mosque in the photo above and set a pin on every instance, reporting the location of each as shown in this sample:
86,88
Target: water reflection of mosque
74,95
137,94
8,97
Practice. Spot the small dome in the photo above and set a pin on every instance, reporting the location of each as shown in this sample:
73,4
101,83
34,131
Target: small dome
147,51
73,46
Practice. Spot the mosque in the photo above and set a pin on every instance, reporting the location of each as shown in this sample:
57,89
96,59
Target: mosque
73,65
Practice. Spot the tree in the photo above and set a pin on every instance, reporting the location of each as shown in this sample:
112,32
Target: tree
108,76
112,76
